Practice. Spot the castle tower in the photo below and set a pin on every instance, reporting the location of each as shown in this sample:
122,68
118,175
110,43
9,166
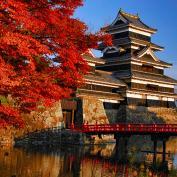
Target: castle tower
132,59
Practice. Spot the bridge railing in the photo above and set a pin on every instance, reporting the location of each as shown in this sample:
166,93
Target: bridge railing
125,127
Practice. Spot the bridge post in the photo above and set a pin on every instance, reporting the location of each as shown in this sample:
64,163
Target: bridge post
164,164
121,147
155,152
164,139
117,140
164,151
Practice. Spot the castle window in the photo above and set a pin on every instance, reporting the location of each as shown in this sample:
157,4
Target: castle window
152,87
147,68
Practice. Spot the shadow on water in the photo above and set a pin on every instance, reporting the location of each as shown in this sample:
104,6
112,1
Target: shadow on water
129,159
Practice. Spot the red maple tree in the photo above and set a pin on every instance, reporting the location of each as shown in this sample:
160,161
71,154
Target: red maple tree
40,54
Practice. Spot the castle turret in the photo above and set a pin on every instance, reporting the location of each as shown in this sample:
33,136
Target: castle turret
132,59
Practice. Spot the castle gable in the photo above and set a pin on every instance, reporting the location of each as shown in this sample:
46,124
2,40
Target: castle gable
147,52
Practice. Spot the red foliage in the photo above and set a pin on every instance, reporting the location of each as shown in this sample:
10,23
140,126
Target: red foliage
40,53
9,116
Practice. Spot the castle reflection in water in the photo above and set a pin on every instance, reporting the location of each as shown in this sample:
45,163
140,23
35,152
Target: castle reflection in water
88,161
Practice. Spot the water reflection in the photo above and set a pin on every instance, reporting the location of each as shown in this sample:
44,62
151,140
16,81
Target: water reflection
88,161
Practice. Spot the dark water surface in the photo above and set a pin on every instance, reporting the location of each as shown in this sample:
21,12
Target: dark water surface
90,161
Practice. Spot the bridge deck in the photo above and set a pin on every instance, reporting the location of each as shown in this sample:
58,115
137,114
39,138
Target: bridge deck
170,129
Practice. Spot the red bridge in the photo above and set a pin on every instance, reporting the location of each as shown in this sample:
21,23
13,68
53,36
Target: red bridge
125,128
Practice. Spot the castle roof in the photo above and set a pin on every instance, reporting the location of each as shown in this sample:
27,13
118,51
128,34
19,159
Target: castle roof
135,21
155,63
153,77
131,40
147,55
89,57
101,95
103,77
146,76
126,19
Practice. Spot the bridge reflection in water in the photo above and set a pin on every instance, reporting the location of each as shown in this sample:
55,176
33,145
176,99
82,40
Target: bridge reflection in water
131,158
158,132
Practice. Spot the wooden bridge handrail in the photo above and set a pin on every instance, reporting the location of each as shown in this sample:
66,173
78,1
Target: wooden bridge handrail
128,127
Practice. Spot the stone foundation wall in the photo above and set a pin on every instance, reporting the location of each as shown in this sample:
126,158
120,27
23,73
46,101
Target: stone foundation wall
58,137
141,114
116,115
7,137
93,111
169,115
52,138
90,110
42,119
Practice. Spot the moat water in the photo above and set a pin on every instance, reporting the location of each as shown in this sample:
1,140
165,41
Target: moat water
90,161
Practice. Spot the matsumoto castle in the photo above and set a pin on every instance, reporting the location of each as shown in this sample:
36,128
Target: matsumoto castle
128,77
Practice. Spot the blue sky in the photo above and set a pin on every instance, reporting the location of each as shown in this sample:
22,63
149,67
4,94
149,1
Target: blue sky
159,14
